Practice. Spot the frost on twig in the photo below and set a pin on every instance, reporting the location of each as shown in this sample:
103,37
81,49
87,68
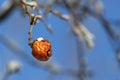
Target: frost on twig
87,36
82,31
57,13
32,4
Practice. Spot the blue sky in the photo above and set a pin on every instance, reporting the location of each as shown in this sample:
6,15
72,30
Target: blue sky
101,59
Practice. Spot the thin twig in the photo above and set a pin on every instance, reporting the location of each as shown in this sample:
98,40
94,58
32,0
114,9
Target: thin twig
30,36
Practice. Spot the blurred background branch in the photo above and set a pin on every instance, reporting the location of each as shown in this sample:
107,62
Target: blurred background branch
6,8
